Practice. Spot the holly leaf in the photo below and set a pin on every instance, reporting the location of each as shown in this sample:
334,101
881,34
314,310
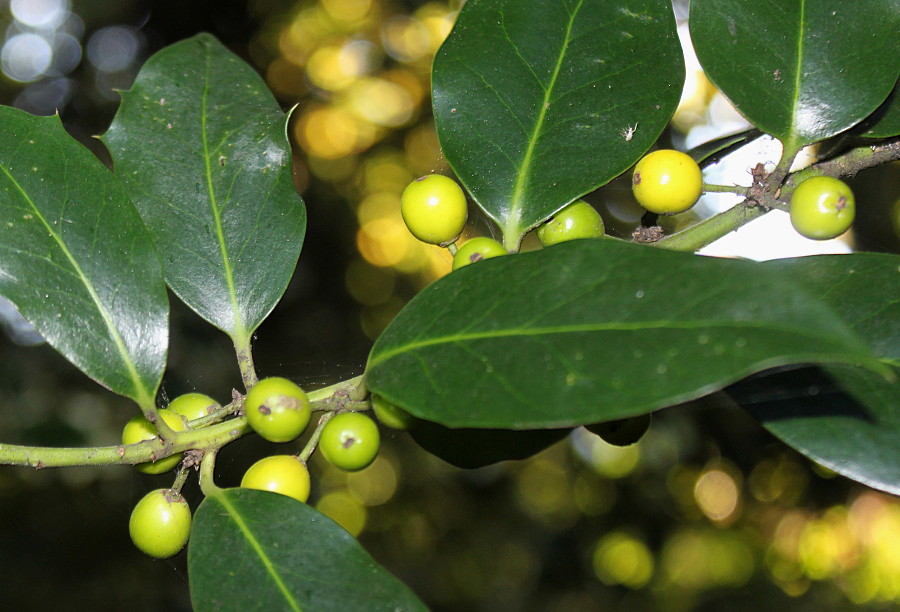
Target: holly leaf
824,65
594,330
76,260
201,144
843,417
256,550
538,102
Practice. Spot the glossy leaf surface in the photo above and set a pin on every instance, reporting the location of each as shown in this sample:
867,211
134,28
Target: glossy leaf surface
255,550
533,99
76,260
593,330
201,143
845,418
885,121
824,65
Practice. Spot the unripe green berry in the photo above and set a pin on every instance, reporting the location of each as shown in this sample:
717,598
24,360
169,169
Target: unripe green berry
193,406
392,415
160,523
139,429
284,474
350,441
667,182
434,209
277,409
622,432
477,249
577,220
822,207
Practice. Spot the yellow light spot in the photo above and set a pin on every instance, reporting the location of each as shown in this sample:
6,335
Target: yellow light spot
333,68
381,102
613,461
620,558
285,79
368,284
699,559
543,489
385,171
347,10
405,39
383,241
297,41
329,133
332,169
423,151
373,320
717,495
343,509
438,20
375,485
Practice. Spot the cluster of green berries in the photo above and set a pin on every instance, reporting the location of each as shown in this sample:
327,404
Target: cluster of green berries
668,182
435,211
279,411
160,523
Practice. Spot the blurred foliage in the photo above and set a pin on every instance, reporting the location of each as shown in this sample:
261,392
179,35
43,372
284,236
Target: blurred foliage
707,512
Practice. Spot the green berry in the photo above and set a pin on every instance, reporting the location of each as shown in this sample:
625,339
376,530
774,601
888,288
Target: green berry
577,220
160,523
622,432
284,474
477,249
277,409
139,429
193,406
434,209
392,415
350,441
667,182
822,207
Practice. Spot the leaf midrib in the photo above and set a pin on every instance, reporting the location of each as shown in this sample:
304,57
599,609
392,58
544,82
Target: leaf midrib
517,203
563,329
142,395
260,552
238,332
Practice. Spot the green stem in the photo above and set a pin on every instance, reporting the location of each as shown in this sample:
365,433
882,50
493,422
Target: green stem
212,437
180,479
313,441
773,191
245,361
207,474
709,230
735,189
345,387
452,248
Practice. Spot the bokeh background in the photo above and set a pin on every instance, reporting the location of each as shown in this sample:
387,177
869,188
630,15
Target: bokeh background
707,512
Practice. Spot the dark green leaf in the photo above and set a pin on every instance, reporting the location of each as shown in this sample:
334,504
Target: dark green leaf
843,417
538,102
255,550
801,71
76,260
863,288
594,330
474,448
201,143
714,150
885,121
